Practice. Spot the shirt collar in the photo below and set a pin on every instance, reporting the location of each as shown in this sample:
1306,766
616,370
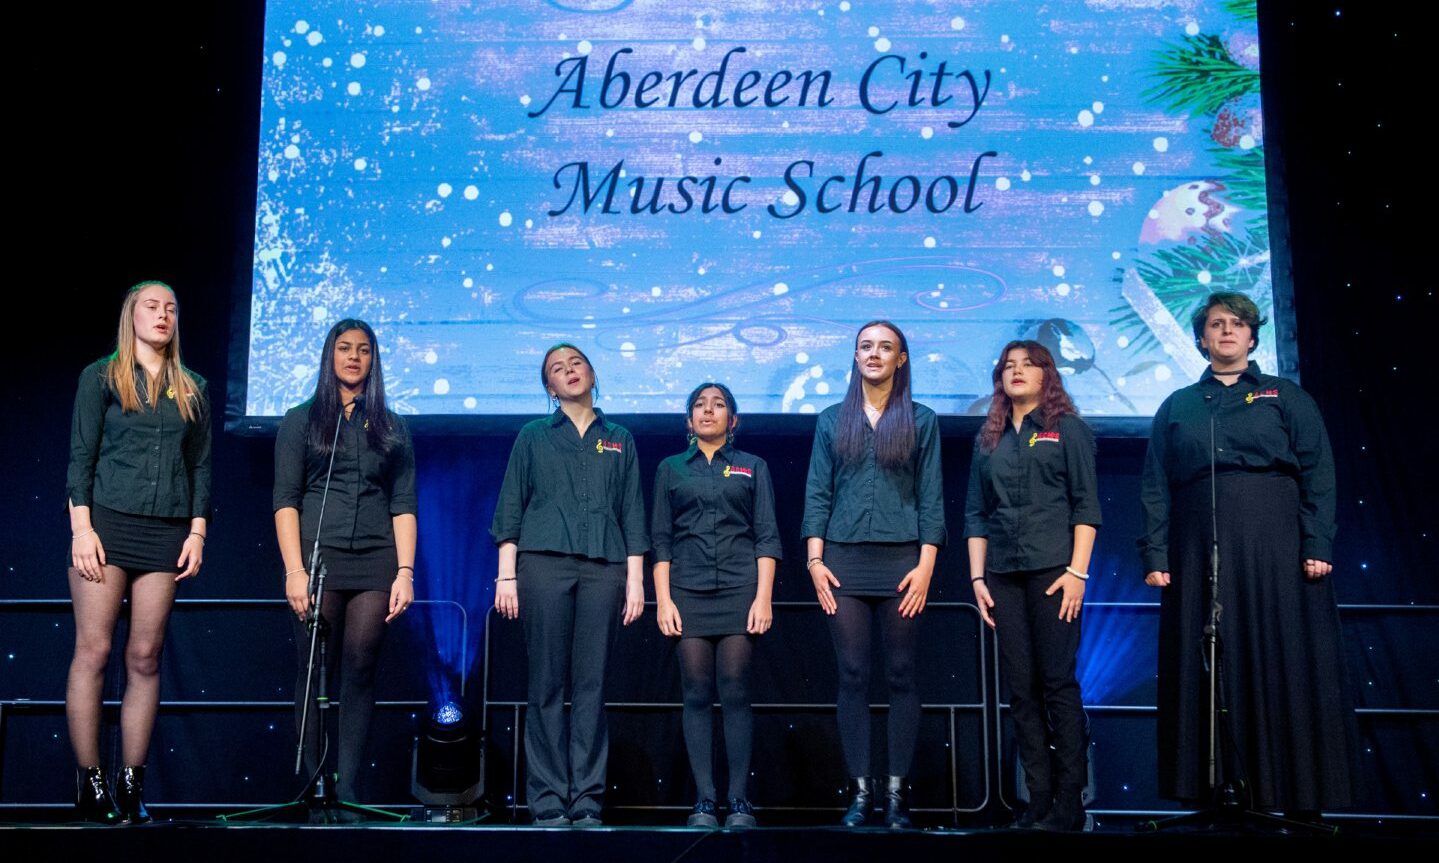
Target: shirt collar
559,417
1252,373
1030,419
726,451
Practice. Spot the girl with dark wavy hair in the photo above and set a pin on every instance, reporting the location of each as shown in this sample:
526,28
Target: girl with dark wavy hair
873,525
367,540
1031,517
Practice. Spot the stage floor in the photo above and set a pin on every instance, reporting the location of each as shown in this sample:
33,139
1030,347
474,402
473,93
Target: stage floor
1115,839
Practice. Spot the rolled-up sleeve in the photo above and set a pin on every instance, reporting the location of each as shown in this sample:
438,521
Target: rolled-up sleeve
632,506
289,490
199,440
514,493
87,427
1079,469
930,492
976,515
766,526
403,499
662,519
819,485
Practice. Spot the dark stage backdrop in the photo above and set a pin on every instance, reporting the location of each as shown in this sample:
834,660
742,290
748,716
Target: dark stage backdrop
146,170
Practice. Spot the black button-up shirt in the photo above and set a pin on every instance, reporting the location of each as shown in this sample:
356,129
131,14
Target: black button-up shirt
1027,495
861,501
144,462
1262,424
713,518
573,495
368,488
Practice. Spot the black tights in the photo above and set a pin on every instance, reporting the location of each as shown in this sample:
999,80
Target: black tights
698,660
850,627
355,622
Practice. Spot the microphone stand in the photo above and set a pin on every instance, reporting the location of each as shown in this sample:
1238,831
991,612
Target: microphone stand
316,803
1230,805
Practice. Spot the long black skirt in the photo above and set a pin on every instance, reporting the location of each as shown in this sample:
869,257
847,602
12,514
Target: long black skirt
1283,677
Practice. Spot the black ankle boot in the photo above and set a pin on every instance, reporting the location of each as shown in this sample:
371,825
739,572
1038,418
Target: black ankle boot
130,785
896,809
92,797
1037,810
861,801
1065,816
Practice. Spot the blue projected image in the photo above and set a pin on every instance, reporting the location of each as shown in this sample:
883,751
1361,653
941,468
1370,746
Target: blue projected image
696,192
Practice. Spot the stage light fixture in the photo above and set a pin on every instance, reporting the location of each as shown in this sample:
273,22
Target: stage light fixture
447,766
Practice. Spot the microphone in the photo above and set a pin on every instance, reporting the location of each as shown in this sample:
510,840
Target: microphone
358,401
316,590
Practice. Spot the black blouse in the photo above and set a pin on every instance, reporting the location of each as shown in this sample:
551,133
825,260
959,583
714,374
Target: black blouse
143,462
713,518
368,488
862,501
1262,424
1027,495
570,494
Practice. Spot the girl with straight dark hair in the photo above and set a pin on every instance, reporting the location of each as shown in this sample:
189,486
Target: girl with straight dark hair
873,525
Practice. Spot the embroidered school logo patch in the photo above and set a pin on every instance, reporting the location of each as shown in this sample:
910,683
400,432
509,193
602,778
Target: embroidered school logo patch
603,446
731,470
1261,394
1037,437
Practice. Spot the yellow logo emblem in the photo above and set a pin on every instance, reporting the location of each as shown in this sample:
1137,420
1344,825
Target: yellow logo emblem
170,393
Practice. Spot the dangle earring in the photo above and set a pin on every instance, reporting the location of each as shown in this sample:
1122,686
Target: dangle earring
693,438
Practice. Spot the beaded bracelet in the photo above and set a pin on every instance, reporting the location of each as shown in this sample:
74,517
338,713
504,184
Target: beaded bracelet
1082,576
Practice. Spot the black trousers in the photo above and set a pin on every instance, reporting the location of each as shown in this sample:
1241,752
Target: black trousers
569,607
1037,651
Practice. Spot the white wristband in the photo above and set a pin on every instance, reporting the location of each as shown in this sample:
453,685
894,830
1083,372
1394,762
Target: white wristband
1082,576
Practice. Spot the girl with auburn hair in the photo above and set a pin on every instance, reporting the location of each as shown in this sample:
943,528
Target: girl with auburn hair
873,525
1031,517
139,498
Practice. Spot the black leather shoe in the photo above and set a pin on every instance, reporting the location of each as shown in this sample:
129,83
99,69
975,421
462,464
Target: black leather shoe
703,815
896,808
1038,808
129,786
861,801
92,797
1065,816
